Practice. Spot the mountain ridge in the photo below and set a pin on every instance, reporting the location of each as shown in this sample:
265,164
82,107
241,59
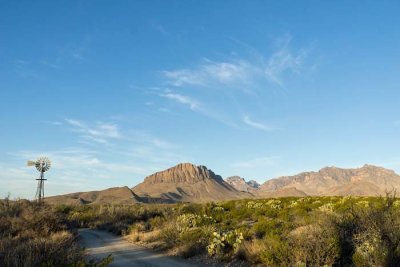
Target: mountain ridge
187,182
328,180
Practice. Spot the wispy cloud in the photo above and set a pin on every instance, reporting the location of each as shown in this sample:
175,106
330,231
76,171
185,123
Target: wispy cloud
198,107
257,125
256,162
24,69
284,60
182,99
55,123
100,133
49,64
227,73
222,79
210,73
77,50
241,73
183,77
103,133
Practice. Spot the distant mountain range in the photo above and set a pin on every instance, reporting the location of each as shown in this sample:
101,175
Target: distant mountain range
368,180
186,182
120,195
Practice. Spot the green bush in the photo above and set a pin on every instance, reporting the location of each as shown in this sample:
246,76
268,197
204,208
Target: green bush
276,251
169,235
193,241
266,225
156,222
225,244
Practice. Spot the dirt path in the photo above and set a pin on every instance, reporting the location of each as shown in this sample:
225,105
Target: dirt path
100,244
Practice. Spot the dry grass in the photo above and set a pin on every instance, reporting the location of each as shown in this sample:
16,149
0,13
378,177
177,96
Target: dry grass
36,235
57,249
252,250
147,237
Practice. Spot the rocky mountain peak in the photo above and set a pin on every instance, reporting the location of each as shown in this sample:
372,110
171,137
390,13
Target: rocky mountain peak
370,167
183,173
253,183
240,183
235,179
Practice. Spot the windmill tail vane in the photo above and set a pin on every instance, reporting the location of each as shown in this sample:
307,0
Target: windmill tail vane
42,164
30,163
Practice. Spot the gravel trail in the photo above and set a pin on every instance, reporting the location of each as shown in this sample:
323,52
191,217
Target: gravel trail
100,244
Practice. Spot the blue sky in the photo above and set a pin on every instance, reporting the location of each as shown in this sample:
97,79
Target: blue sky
114,91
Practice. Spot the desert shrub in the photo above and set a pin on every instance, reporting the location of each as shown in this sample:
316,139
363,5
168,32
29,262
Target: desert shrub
264,226
357,231
190,220
280,232
327,208
218,209
57,249
194,241
156,222
251,251
227,205
370,249
190,208
63,209
377,241
169,235
368,231
38,235
314,245
276,251
192,235
115,218
347,225
225,244
255,204
136,227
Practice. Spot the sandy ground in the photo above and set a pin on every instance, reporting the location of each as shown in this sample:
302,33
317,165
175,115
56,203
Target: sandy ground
100,244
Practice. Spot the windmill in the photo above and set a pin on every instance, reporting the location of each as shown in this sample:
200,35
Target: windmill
42,164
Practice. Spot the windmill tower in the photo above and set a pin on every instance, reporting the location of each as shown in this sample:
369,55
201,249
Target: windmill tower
42,165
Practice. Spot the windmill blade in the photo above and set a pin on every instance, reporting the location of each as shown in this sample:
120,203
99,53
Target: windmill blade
30,163
43,164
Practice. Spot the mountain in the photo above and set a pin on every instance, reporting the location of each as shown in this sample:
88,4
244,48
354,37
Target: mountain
116,195
186,182
368,180
240,184
282,192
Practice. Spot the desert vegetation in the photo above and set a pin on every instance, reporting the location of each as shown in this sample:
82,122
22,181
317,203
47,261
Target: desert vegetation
309,231
39,235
